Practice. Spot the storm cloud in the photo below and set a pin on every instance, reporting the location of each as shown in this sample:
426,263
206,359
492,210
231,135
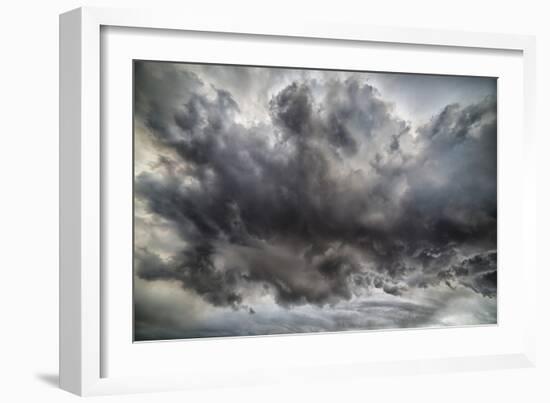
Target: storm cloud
307,202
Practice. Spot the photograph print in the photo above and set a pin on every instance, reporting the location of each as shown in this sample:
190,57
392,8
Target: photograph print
274,200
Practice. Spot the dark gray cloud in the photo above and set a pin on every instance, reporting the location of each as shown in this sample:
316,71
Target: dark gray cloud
479,272
331,198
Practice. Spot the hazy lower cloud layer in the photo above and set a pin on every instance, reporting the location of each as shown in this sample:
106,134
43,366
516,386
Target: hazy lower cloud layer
272,200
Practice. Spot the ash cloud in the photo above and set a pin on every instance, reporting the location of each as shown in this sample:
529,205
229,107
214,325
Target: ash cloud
328,198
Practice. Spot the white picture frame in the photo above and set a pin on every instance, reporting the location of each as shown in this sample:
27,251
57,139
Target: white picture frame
85,346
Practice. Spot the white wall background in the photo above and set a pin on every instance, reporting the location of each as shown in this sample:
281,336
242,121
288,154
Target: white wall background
29,201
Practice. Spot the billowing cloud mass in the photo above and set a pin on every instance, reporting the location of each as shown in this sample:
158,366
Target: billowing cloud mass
272,200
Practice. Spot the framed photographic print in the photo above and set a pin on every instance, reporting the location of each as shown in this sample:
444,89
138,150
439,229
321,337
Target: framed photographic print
241,199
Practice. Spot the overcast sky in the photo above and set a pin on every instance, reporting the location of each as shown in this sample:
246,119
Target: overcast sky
271,200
